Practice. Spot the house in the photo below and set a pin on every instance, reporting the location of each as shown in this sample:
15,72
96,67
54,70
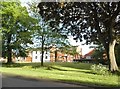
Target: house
89,54
60,56
50,55
32,56
36,56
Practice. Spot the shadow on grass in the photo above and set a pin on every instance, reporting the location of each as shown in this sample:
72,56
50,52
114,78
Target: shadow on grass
51,67
76,65
20,65
85,66
59,69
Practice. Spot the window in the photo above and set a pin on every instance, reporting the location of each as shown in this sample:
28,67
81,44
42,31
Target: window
46,52
46,57
35,57
36,52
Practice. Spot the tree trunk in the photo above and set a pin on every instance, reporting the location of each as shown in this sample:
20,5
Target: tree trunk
9,55
113,64
55,55
66,58
42,51
107,53
42,57
9,50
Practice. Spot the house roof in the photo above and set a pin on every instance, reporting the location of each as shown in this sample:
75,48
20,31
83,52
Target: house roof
89,53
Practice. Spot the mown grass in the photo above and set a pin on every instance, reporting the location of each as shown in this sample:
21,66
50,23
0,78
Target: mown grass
70,72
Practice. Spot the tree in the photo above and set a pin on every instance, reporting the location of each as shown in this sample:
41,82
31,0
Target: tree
97,22
48,38
16,29
44,34
99,54
117,51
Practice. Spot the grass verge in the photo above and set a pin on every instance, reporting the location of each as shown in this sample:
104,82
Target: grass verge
67,72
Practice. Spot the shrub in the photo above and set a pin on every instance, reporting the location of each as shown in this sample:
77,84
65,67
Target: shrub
99,69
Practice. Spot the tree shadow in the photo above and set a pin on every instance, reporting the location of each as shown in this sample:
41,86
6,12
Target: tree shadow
85,66
20,65
59,69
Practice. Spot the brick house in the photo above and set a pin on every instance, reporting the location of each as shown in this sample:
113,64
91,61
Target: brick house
89,54
49,56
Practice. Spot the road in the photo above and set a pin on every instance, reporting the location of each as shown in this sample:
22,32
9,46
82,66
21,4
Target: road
13,81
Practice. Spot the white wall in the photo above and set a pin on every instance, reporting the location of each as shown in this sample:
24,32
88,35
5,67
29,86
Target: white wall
88,57
36,56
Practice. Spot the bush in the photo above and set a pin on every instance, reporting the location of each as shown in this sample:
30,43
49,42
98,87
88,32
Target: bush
99,69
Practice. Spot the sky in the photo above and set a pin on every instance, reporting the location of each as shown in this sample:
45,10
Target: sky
85,48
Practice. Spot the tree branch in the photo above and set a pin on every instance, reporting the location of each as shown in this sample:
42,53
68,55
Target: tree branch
116,12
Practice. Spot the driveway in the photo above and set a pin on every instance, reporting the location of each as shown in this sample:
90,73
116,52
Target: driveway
15,81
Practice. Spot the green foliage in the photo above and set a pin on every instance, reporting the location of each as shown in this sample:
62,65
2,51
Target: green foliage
95,22
98,53
50,35
99,69
44,35
16,29
84,20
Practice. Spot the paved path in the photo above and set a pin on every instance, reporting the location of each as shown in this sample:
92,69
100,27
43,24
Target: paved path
12,81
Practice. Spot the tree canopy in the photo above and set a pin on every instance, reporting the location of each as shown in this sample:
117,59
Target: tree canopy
16,29
44,35
97,22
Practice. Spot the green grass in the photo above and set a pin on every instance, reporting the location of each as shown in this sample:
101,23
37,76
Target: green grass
70,72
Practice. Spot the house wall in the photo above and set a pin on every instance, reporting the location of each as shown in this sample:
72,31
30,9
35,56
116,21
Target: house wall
28,59
36,56
61,57
88,57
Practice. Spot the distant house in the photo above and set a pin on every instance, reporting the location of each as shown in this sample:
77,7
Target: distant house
89,54
61,57
32,56
36,56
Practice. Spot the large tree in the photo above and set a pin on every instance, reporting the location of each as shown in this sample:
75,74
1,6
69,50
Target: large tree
44,35
97,22
117,51
46,38
16,29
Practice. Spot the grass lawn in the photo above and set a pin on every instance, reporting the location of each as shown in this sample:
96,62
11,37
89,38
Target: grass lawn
70,72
